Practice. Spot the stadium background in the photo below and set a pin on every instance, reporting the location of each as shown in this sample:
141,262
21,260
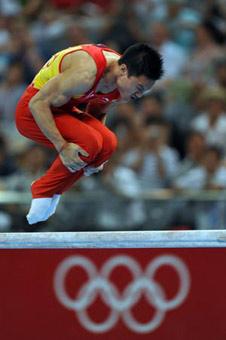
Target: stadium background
169,170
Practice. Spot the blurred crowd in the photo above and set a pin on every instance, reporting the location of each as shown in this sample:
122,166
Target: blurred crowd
174,139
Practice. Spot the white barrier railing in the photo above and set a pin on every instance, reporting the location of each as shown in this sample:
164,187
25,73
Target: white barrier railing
15,197
116,239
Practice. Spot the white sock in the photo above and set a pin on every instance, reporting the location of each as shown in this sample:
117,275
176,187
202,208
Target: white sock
42,208
54,204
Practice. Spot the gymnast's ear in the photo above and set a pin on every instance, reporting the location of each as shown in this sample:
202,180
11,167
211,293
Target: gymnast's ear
123,70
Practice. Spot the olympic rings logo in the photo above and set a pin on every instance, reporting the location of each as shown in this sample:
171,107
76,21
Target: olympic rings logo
121,303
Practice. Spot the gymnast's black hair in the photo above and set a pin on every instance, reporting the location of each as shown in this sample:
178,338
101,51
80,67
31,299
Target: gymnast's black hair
142,59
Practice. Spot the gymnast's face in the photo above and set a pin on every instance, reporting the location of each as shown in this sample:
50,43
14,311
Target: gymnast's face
132,87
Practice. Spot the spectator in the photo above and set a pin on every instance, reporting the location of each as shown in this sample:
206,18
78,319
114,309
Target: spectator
195,149
124,28
173,55
7,165
23,49
220,73
127,126
151,106
10,91
207,50
210,175
212,123
154,161
121,181
77,35
182,20
31,163
10,7
5,41
49,32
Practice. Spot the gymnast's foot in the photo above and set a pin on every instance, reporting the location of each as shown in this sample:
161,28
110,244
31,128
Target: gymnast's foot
42,208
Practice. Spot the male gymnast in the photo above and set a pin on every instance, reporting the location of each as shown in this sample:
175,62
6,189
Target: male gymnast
65,107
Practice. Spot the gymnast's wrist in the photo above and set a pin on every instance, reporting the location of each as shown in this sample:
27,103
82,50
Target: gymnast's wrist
62,147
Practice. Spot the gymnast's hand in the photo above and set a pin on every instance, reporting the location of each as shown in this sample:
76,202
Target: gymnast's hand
69,155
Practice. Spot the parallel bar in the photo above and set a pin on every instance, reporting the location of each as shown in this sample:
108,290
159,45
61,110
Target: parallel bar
116,239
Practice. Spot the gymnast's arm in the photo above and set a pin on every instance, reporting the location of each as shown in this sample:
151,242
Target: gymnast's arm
56,92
